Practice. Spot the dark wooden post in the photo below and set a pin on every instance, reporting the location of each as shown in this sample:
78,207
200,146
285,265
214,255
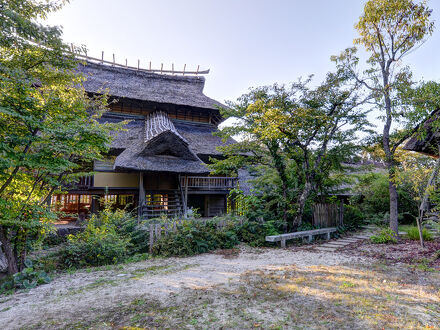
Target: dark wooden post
185,212
141,200
341,213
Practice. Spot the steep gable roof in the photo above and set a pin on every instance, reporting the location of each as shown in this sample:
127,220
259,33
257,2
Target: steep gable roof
145,86
427,140
161,149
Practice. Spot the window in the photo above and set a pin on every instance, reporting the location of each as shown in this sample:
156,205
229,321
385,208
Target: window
119,201
73,205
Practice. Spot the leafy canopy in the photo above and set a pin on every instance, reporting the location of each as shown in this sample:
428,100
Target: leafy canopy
49,128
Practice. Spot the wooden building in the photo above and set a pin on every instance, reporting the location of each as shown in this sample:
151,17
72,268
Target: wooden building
157,164
427,140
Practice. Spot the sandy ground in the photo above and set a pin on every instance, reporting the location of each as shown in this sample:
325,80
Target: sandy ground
69,296
298,287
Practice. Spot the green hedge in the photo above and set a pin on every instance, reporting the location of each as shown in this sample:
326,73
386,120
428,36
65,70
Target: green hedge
195,237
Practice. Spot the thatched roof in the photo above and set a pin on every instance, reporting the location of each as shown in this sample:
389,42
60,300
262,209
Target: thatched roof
145,86
156,143
427,140
199,136
134,158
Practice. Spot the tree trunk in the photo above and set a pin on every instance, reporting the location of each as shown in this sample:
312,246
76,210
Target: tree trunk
389,155
420,228
8,251
301,204
394,212
284,207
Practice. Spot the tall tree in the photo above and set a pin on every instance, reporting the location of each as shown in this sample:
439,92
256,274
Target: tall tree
48,129
314,128
389,30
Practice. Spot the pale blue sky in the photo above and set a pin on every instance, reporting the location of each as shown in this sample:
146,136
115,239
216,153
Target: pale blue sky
244,42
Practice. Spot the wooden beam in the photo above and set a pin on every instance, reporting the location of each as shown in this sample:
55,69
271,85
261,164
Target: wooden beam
141,198
186,197
150,69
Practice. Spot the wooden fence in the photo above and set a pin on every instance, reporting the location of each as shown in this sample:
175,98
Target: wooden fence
156,230
328,215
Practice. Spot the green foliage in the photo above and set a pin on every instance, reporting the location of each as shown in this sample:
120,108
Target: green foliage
49,128
293,139
255,232
194,237
389,30
99,244
413,234
353,216
28,278
305,226
373,199
385,236
126,226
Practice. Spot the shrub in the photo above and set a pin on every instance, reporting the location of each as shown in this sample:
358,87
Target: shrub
194,237
353,216
28,278
305,226
385,236
255,232
413,234
99,244
126,226
374,199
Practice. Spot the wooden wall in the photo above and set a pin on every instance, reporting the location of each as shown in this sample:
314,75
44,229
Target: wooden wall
116,180
181,114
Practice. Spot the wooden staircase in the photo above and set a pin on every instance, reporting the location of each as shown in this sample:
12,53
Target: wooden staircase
158,204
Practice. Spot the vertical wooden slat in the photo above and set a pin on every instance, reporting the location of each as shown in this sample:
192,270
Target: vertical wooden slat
151,237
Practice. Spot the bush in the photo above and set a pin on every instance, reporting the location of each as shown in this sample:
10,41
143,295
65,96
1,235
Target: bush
385,236
99,244
126,226
305,226
193,237
374,199
413,234
255,232
28,278
353,216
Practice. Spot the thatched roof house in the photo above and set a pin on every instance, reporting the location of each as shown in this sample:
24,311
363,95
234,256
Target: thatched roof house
427,140
159,161
147,87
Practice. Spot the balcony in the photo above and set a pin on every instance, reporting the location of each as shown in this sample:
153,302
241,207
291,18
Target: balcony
82,183
208,183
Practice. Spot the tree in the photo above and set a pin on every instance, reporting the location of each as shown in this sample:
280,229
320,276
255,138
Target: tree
389,30
48,130
424,104
300,132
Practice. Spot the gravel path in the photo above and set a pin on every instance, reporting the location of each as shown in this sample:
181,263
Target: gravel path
71,295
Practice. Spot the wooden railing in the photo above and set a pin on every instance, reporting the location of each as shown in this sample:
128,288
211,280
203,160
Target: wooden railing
208,182
84,182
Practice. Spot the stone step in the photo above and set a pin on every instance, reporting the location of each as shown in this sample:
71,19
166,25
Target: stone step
325,249
329,247
339,243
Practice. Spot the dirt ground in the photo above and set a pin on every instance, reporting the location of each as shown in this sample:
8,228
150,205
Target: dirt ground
240,289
